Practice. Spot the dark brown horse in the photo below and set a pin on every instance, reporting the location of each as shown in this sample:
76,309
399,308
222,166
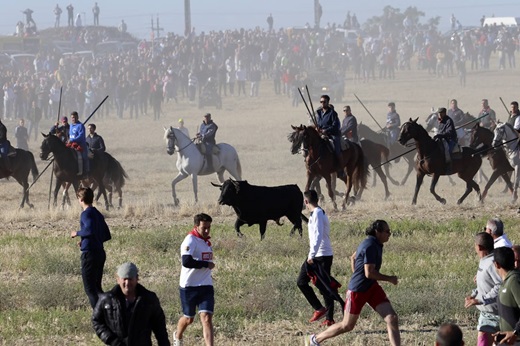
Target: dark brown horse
395,150
374,154
115,179
483,139
430,160
66,166
21,165
320,161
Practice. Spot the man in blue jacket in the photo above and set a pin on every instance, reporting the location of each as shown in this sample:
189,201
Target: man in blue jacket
78,141
329,125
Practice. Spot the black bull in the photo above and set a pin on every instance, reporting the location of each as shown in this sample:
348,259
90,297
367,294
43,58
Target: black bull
257,204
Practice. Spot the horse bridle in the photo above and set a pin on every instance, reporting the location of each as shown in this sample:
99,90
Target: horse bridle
175,138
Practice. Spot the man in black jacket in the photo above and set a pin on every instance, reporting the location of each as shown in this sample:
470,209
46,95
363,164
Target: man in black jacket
127,314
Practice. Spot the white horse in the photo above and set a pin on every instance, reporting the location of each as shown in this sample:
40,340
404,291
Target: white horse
505,134
191,162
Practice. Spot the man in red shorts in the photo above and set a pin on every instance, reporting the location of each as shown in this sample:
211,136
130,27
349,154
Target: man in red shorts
364,288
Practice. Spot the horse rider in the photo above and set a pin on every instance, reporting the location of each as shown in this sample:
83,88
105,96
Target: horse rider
457,116
329,125
446,131
5,147
206,135
489,118
393,124
77,140
95,142
61,131
514,117
349,125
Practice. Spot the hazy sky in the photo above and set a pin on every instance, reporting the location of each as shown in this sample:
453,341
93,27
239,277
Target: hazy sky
221,14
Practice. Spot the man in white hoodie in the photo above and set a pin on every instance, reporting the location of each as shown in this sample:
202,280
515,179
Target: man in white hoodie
485,295
320,253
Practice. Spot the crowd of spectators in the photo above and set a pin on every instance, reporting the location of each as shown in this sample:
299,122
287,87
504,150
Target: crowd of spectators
235,61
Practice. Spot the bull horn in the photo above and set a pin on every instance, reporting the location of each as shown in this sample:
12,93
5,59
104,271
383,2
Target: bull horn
216,185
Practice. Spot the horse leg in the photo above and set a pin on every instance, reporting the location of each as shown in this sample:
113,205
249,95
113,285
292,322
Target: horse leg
103,191
56,190
220,176
517,183
410,169
331,191
179,177
435,179
470,184
348,185
418,183
494,176
195,186
382,176
392,180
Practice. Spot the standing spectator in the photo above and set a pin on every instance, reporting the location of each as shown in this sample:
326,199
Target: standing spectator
485,295
35,115
156,99
183,128
94,232
364,288
70,15
231,75
196,283
320,254
489,117
9,98
144,93
95,12
508,302
270,21
122,27
495,227
21,135
193,82
57,15
514,116
449,334
254,77
78,23
241,76
129,313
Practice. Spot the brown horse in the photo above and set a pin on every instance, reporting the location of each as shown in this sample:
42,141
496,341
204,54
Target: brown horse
21,165
320,161
480,136
430,160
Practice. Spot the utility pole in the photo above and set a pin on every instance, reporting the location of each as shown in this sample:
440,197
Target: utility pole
187,18
152,34
158,28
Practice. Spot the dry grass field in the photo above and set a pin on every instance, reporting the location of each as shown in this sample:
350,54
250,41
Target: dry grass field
41,297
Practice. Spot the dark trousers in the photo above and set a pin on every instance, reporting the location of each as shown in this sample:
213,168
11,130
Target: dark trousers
308,292
92,263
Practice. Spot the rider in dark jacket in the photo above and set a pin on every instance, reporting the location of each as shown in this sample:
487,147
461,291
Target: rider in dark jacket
329,124
115,324
208,130
4,146
446,131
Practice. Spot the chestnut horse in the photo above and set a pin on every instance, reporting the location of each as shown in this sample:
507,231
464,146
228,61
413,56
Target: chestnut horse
483,139
320,161
430,160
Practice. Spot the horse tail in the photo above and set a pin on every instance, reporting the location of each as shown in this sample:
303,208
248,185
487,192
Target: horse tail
116,174
34,168
361,172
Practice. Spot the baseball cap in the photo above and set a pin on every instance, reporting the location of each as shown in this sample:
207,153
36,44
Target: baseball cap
127,270
64,119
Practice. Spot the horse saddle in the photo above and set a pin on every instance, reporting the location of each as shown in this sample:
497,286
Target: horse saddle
202,149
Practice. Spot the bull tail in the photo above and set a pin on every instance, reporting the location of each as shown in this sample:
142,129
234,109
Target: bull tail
278,222
304,218
361,172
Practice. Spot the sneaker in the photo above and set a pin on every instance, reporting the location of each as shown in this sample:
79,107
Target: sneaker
327,323
176,342
310,340
318,314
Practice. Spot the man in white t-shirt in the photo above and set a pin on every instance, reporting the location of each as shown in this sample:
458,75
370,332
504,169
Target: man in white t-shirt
196,283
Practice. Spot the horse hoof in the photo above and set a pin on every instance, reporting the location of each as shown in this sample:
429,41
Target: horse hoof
176,202
443,201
